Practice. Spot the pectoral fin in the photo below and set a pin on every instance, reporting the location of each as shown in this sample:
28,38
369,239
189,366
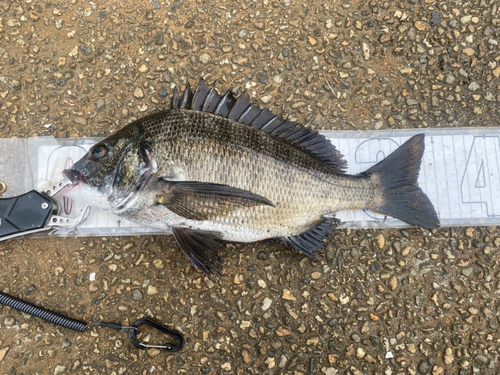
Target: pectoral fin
200,247
205,201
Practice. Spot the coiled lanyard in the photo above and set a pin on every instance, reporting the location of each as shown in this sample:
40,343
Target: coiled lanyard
80,326
34,212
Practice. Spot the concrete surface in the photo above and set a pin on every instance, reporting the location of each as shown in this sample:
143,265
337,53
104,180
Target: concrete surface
378,302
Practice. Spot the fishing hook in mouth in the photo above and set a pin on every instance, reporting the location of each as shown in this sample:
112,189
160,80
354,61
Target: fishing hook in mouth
74,176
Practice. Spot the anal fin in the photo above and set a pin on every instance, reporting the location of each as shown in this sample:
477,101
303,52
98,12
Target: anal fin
314,238
200,247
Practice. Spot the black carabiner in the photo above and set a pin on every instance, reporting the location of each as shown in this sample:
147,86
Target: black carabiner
132,335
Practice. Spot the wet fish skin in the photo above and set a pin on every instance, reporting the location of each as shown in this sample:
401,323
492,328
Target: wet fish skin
206,176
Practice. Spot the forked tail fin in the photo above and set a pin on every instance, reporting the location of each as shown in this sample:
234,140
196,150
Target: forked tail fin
397,192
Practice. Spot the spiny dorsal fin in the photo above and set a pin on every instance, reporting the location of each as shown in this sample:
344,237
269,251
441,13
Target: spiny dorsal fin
176,101
187,98
242,111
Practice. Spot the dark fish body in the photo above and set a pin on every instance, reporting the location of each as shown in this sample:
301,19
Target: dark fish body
219,168
198,146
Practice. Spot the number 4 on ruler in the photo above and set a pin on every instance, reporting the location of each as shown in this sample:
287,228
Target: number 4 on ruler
480,184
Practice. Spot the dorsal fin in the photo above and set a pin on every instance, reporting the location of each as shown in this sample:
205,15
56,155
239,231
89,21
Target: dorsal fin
187,98
176,100
242,111
211,100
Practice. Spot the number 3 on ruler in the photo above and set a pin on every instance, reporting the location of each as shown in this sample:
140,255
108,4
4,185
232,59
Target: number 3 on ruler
480,186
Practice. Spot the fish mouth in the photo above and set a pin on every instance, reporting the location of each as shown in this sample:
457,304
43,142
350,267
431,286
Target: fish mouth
75,177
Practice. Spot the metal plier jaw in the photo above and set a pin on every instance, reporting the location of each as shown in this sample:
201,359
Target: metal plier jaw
35,212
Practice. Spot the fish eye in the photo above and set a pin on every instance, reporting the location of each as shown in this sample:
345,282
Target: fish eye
98,153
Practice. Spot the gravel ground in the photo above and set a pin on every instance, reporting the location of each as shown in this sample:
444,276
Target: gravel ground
378,302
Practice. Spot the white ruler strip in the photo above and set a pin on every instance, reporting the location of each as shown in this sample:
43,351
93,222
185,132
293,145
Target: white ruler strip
460,173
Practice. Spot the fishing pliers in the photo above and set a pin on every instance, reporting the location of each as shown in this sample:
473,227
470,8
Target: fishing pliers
34,212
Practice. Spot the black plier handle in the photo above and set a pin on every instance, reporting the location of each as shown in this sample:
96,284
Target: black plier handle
34,212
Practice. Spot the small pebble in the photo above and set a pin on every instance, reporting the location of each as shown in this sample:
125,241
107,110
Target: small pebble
468,51
473,86
247,358
138,93
9,321
424,367
31,290
437,370
99,104
205,58
360,353
435,18
3,352
266,303
262,77
467,271
282,332
482,360
420,26
271,362
450,79
152,290
312,341
154,352
287,295
266,99
393,282
466,19
158,263
65,344
381,241
448,356
263,255
136,295
366,51
85,50
316,275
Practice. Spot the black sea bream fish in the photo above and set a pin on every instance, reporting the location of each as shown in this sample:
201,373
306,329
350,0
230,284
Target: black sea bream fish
216,167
